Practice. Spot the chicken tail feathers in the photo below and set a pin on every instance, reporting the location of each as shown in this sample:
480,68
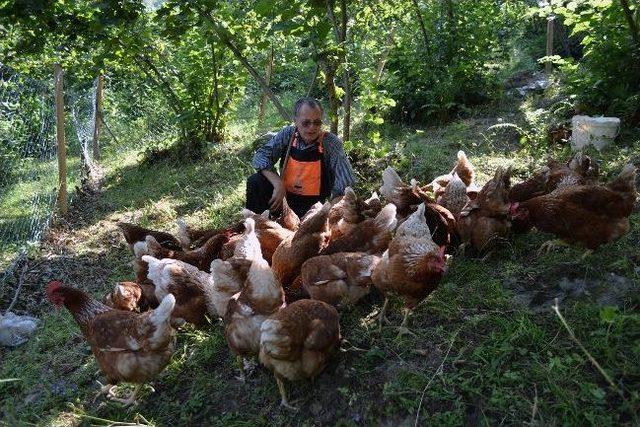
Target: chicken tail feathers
390,180
163,312
386,219
152,245
626,180
155,268
183,235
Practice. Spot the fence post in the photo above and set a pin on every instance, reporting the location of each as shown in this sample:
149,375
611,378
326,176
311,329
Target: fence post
548,66
98,117
62,148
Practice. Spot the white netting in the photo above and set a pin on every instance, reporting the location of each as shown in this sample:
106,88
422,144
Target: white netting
135,116
28,161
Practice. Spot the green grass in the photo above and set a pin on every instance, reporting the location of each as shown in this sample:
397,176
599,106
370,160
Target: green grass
27,203
488,347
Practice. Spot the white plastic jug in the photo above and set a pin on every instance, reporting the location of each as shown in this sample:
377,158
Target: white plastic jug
599,131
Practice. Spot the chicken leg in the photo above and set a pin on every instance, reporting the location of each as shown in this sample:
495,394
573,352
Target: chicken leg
382,316
586,254
283,393
242,377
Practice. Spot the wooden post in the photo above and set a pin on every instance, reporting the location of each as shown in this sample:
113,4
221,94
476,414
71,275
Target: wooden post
263,97
548,67
98,117
62,147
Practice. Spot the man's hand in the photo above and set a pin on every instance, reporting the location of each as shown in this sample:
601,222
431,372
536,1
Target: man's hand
275,203
279,191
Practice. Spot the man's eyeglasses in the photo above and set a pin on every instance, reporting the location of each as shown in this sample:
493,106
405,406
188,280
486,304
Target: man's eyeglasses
308,123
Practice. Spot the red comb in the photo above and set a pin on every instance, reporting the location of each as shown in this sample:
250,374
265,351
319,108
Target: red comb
53,286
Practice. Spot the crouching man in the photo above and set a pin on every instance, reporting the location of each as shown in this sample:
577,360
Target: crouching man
312,163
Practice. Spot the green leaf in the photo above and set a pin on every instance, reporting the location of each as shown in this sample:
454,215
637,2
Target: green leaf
598,393
263,7
608,314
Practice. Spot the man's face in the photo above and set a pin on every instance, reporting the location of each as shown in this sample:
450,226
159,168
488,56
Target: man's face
309,122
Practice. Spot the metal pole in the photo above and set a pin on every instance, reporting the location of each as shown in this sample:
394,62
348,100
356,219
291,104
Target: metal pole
98,118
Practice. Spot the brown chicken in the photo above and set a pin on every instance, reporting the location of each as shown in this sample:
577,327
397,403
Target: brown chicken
270,233
261,296
371,235
397,192
579,170
288,218
454,196
129,347
134,233
407,198
200,257
344,277
591,215
308,241
186,282
351,210
198,293
126,296
193,238
463,169
439,219
484,220
297,341
314,209
412,266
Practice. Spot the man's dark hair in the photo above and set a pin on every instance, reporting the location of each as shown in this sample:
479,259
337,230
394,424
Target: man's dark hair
309,102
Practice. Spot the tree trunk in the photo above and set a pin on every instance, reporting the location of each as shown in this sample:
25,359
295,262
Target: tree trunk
313,80
633,25
263,97
329,75
548,67
340,29
423,29
385,55
346,103
254,73
451,24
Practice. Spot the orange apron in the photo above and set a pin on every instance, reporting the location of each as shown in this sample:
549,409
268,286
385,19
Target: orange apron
303,169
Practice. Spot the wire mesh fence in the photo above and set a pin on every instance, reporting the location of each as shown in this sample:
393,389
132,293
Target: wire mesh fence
134,116
28,160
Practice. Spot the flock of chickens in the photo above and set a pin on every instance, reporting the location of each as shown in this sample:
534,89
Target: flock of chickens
275,283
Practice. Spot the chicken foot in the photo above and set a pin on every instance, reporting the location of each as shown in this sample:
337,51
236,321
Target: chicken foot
551,245
402,329
247,366
104,389
128,400
586,254
283,393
